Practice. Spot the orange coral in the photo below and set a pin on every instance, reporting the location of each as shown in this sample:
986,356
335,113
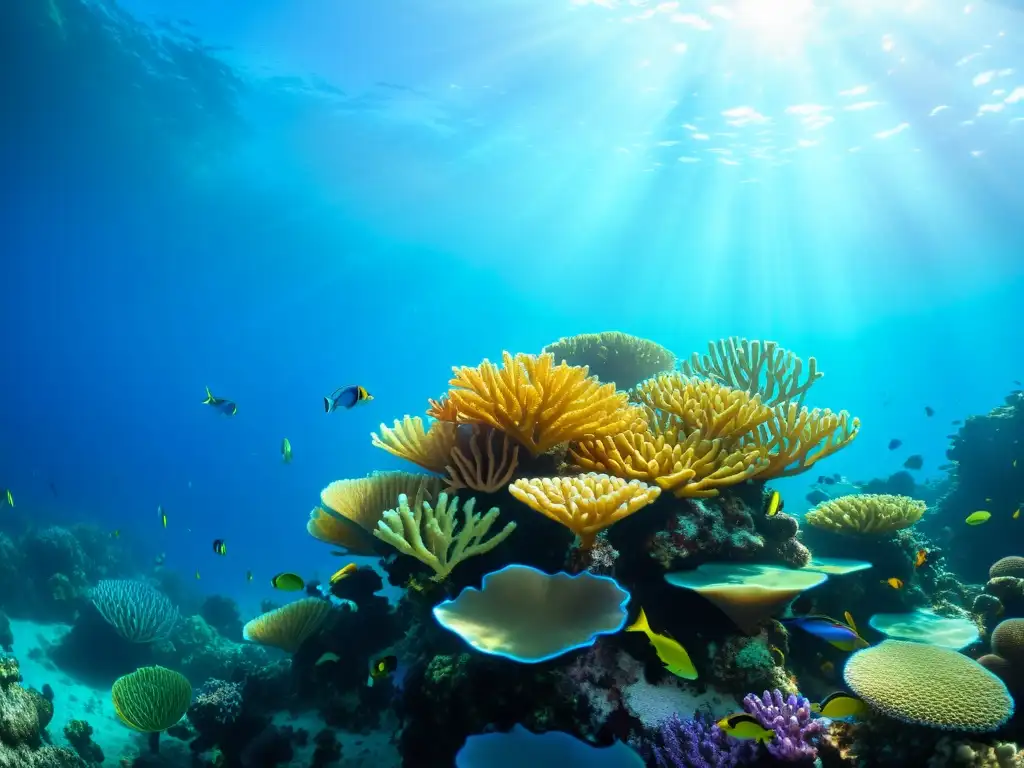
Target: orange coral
587,504
483,472
442,409
795,438
701,404
537,403
410,440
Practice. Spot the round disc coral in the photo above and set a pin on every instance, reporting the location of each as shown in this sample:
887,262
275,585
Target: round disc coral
929,685
748,593
530,616
288,626
151,699
923,626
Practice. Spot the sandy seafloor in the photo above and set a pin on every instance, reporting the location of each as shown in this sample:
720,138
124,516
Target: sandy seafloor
76,701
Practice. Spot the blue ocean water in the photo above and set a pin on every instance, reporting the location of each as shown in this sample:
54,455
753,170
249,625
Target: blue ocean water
277,199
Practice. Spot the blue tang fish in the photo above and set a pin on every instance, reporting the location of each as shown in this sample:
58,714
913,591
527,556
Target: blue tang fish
346,397
833,632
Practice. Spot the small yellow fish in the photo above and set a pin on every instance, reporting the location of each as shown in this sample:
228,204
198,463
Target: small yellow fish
381,668
979,517
894,583
744,726
288,582
116,534
197,574
988,500
672,654
1016,514
328,656
286,451
841,706
774,504
920,558
162,514
220,547
343,572
7,497
1014,463
248,575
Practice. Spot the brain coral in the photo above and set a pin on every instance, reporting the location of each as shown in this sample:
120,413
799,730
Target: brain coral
1007,566
1008,640
928,685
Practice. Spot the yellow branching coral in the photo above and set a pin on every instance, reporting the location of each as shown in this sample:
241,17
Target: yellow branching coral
537,403
486,472
442,409
796,438
705,405
688,466
614,357
869,513
430,535
587,504
409,439
756,367
351,508
288,627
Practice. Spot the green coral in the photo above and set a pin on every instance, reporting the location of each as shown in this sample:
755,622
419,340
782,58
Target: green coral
151,699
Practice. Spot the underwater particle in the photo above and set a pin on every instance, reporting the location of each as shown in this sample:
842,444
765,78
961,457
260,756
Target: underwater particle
7,497
894,444
287,582
1008,641
520,747
286,451
748,593
528,616
346,397
288,627
866,514
197,575
248,575
957,693
151,699
979,517
381,668
344,572
924,626
840,705
835,633
227,407
1011,565
673,656
326,658
220,547
837,566
138,612
929,411
914,462
746,727
774,504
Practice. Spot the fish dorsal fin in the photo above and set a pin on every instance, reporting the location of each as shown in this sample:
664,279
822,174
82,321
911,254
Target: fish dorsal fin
739,718
835,694
850,622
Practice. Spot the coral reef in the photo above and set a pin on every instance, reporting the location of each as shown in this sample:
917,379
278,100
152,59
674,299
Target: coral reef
698,743
796,731
613,357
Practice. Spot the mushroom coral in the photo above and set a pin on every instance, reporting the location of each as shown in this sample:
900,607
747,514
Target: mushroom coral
748,593
868,513
613,357
529,616
587,504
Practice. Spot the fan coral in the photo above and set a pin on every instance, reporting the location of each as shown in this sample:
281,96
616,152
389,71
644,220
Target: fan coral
410,440
613,357
699,743
758,367
866,514
796,731
151,699
587,504
957,693
138,612
288,627
703,405
537,403
404,529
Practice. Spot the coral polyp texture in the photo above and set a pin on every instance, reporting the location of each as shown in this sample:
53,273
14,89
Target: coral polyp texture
1011,566
289,626
797,732
587,504
530,616
151,699
703,405
866,514
929,685
536,402
613,357
433,536
135,610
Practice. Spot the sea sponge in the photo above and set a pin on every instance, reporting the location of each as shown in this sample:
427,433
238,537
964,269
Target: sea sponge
288,627
151,699
956,694
796,438
537,403
409,439
138,612
613,357
586,504
704,405
1013,565
1008,641
868,513
351,508
765,368
404,529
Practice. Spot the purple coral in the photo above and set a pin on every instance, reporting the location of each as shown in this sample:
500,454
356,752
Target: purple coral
796,732
699,743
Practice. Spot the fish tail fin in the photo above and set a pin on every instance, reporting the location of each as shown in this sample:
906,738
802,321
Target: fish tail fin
209,397
640,625
327,405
